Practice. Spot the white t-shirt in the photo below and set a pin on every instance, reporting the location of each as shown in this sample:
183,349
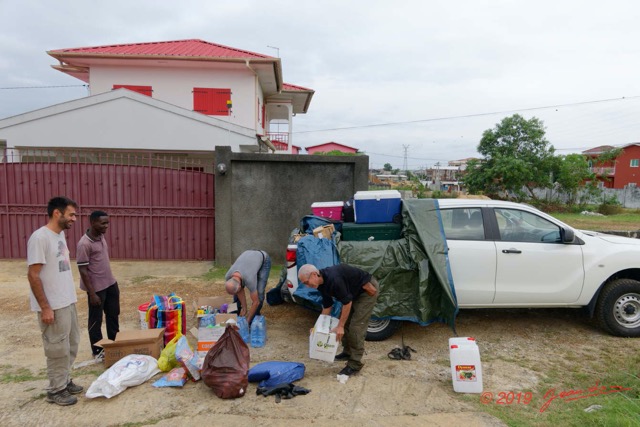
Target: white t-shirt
50,249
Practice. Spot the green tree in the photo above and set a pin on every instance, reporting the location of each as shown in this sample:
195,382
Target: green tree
570,173
517,156
387,167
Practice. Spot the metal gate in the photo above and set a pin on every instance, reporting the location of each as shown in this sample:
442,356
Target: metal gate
161,205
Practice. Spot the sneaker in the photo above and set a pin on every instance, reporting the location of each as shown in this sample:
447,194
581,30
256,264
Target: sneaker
99,357
343,356
74,388
348,371
62,398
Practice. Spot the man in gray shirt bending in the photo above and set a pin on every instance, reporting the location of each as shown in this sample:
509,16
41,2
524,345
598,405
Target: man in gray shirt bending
251,271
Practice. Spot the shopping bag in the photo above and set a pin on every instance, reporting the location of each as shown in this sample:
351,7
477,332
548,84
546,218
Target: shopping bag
167,312
226,365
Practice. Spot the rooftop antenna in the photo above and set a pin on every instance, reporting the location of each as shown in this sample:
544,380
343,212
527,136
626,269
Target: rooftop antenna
276,48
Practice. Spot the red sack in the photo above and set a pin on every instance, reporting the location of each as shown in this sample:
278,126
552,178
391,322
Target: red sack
226,365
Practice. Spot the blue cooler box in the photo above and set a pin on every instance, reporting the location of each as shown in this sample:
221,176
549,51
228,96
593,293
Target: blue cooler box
376,206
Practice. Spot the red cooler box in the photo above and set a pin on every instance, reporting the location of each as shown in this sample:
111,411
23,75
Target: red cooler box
376,206
331,210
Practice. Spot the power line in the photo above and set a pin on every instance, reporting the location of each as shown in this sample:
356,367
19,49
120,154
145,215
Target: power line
466,116
40,87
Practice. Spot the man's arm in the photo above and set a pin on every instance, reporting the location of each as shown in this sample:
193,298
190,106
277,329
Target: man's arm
243,302
35,282
94,299
344,315
255,301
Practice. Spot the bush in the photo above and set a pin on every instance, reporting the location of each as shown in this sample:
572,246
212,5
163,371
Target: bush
610,206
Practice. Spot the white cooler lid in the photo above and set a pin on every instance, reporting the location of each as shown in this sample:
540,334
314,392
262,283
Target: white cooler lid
327,204
377,195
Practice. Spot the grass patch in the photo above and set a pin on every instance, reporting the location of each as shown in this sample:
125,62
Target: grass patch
629,220
140,279
8,374
216,274
613,384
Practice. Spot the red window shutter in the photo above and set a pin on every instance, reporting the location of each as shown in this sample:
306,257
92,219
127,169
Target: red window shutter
212,101
144,90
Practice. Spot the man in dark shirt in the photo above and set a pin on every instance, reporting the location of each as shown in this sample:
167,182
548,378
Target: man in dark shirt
357,290
96,279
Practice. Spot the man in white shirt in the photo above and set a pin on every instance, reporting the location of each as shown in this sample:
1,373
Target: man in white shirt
53,297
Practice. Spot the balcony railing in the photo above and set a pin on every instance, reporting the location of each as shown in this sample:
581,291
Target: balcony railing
279,139
603,171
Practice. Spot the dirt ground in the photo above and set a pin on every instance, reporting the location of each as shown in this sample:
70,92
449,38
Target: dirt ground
515,348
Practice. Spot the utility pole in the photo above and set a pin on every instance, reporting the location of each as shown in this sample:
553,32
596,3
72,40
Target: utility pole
404,165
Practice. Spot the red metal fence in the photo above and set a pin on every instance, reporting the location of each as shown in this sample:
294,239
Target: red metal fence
161,206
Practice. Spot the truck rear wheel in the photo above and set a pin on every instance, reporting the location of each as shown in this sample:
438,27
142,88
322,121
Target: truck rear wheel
381,329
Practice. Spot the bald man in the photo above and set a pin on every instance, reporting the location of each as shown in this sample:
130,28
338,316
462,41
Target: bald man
250,271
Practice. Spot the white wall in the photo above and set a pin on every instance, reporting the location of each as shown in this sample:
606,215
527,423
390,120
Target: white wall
175,85
116,121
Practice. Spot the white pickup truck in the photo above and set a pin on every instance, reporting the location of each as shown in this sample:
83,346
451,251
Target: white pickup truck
510,255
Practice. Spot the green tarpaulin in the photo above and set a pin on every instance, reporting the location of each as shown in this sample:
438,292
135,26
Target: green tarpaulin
413,272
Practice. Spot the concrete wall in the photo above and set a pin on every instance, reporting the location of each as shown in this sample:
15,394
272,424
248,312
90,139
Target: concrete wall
261,198
628,197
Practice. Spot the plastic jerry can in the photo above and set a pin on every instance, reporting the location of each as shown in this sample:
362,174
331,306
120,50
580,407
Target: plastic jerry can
462,341
466,369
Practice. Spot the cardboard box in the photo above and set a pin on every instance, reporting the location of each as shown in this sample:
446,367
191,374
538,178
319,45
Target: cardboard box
215,302
298,236
324,231
322,343
208,336
149,342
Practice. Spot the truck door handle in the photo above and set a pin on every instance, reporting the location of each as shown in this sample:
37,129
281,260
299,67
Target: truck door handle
511,251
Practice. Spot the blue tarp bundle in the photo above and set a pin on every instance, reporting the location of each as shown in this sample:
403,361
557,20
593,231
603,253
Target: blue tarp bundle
271,374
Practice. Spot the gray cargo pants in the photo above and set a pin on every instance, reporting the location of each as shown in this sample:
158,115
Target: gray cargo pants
355,330
60,340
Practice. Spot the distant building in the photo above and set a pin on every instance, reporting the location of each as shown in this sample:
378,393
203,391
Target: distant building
621,172
330,146
462,163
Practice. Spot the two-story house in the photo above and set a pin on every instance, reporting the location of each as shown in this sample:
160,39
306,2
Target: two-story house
621,172
186,95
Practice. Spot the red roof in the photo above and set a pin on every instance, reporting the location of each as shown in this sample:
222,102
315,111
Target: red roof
178,48
599,150
331,142
290,87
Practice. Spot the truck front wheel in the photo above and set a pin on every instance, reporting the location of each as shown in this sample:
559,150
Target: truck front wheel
381,329
618,309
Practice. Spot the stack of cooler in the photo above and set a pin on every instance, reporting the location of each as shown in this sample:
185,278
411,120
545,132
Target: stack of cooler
377,216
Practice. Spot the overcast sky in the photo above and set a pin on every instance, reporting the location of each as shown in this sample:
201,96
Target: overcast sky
430,75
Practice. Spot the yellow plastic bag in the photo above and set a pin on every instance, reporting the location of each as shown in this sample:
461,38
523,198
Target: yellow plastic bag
167,360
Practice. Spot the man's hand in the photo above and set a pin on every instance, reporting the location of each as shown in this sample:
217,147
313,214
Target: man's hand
94,299
47,316
339,330
243,311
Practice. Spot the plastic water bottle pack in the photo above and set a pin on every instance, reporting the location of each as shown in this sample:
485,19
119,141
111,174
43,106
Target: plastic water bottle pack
243,326
258,331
